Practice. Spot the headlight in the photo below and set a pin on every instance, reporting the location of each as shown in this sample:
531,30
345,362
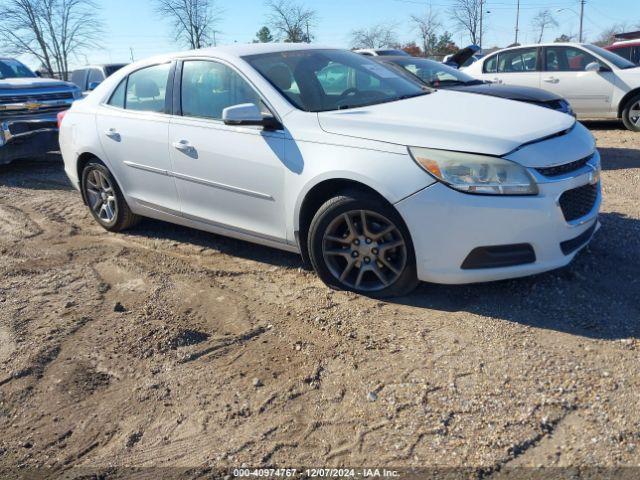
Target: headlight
473,173
77,93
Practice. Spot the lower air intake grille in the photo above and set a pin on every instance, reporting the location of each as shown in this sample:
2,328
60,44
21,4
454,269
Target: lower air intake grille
578,202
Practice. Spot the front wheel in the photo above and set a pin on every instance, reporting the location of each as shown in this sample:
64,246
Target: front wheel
357,242
104,198
631,114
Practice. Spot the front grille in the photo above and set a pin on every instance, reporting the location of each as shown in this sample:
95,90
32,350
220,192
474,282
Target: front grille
37,97
565,168
51,102
578,202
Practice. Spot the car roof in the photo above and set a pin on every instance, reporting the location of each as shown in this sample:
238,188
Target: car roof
625,43
535,45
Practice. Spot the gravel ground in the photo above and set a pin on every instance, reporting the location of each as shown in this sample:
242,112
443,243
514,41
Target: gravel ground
168,347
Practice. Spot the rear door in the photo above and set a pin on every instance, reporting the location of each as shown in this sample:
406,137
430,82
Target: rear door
517,67
590,93
134,129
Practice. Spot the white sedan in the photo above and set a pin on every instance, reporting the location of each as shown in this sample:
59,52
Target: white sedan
376,181
596,82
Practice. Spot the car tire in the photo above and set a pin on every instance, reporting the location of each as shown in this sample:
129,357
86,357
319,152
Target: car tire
631,114
104,198
377,261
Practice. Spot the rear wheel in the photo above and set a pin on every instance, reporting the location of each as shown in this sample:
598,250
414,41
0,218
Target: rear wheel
631,114
104,198
358,242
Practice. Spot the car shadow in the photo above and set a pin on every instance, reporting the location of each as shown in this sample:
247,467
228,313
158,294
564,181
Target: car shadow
596,296
45,173
620,158
604,124
158,229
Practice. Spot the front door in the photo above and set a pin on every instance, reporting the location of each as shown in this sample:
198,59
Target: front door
228,176
589,93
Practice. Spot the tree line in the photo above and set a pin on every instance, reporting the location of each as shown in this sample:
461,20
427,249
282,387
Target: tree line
53,31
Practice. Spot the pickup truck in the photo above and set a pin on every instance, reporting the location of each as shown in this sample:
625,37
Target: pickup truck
28,109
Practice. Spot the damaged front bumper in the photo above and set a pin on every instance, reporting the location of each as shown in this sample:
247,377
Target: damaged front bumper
22,138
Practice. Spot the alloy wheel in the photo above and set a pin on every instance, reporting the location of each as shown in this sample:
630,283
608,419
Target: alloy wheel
101,196
364,250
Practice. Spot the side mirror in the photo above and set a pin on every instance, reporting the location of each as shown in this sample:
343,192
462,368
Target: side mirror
248,114
94,85
593,67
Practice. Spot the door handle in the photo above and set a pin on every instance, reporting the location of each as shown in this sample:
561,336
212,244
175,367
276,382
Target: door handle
552,80
113,134
497,80
183,146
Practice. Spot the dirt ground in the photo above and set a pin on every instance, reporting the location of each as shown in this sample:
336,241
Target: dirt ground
169,347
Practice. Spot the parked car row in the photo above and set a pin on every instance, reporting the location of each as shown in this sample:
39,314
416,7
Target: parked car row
377,180
596,82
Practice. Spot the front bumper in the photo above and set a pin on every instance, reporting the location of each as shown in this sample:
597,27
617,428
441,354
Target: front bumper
447,225
27,137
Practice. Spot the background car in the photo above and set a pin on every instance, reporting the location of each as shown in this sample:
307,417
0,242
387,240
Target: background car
596,82
438,75
629,49
28,109
380,52
88,78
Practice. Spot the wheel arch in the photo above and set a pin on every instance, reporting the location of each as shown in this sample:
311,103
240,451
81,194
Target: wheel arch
623,102
316,195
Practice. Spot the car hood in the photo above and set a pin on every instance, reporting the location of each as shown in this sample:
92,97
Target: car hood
511,92
630,74
32,83
450,120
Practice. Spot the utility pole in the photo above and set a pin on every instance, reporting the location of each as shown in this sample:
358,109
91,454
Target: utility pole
481,19
582,2
517,22
131,51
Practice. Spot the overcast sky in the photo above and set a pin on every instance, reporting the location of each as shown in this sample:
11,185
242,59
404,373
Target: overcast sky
132,24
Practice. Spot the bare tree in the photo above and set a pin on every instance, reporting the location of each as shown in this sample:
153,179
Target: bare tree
292,21
542,21
427,26
466,15
608,36
377,36
194,21
49,30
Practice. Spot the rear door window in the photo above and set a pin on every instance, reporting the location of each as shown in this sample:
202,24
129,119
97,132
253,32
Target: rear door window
517,61
147,89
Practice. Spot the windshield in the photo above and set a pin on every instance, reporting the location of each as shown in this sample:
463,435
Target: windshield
324,80
614,58
14,69
433,73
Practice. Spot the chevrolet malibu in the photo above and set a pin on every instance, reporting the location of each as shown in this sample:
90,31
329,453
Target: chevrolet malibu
376,181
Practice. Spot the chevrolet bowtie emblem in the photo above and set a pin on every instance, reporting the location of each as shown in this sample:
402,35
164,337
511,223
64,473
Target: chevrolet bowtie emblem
32,106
